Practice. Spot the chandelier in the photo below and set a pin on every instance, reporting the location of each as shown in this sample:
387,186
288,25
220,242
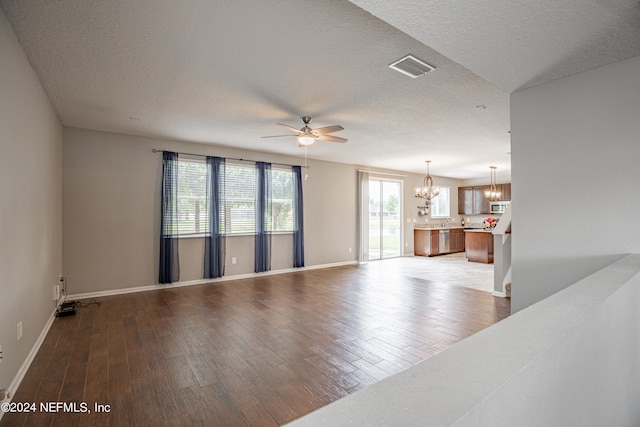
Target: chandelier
427,191
493,194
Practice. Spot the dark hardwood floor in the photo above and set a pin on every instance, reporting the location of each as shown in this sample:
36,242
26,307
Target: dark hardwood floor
258,352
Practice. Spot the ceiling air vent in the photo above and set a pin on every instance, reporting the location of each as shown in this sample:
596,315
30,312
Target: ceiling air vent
411,66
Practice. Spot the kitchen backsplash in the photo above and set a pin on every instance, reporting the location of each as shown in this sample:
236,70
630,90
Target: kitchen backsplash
471,221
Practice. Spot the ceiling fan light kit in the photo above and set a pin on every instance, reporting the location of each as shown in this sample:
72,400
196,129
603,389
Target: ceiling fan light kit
305,140
307,136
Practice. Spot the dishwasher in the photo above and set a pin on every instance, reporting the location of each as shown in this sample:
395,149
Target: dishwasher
444,242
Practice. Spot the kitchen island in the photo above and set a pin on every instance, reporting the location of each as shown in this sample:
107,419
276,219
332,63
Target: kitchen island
478,244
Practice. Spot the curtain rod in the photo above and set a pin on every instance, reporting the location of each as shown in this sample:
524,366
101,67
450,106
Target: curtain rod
155,150
381,173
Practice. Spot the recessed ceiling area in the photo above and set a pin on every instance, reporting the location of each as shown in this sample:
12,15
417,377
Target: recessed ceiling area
226,72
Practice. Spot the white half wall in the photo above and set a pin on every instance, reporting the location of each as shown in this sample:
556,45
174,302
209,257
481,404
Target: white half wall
30,205
572,359
575,159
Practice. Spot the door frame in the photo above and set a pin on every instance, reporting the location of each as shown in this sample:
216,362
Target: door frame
378,177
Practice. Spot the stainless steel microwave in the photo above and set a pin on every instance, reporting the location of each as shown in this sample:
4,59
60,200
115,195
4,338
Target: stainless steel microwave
498,207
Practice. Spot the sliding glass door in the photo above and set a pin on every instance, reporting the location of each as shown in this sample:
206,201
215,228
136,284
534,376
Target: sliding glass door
385,219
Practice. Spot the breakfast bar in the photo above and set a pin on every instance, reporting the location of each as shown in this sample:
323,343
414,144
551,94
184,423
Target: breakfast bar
478,245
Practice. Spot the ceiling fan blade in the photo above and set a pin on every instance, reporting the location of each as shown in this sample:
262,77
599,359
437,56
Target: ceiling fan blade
291,128
276,136
329,129
331,138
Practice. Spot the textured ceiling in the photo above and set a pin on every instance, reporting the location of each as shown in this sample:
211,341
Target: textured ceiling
519,43
225,72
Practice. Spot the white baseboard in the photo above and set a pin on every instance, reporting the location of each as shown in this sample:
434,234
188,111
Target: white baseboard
122,291
13,387
499,294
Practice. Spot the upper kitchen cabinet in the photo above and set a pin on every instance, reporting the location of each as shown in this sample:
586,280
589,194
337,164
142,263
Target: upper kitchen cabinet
465,200
474,201
506,192
481,200
471,200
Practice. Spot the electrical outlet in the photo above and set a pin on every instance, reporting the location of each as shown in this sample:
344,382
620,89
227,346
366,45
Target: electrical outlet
1,354
56,292
349,250
19,330
233,260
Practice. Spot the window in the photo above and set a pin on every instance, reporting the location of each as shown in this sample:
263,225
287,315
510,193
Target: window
240,203
282,200
441,205
240,199
193,217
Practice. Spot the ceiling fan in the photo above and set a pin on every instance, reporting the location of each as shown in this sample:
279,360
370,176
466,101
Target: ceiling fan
307,136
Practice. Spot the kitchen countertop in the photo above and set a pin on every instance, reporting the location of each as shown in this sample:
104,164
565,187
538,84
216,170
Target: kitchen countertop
447,227
479,230
438,228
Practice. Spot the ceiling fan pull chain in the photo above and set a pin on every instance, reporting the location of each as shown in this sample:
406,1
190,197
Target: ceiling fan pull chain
306,169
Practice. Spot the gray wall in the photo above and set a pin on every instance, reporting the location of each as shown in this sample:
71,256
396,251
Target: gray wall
111,213
575,158
30,204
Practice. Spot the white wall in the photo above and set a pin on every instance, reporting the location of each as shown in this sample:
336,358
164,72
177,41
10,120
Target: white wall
111,213
30,204
575,158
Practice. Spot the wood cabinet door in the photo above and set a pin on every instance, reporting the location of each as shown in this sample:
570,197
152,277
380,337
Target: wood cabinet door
474,201
480,200
435,237
457,240
506,192
420,242
465,200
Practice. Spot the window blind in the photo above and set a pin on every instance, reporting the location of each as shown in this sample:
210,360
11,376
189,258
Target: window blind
238,216
193,215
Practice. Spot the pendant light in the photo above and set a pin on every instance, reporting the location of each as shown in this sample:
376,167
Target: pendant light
493,194
427,191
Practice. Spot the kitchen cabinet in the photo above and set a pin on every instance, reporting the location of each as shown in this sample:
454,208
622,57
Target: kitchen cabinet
506,192
435,242
457,240
465,200
474,201
479,246
480,199
426,242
